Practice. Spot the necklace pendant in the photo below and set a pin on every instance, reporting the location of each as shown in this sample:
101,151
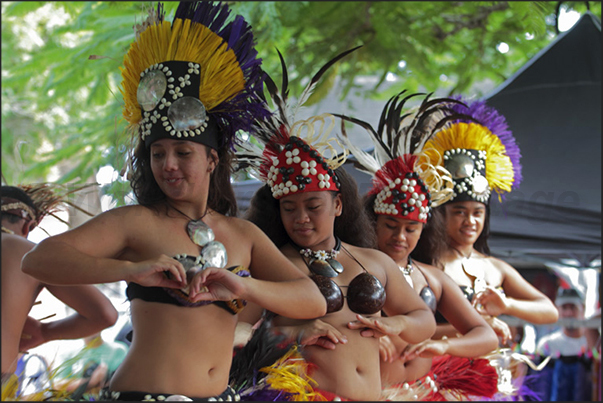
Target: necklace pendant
199,232
323,268
407,270
214,254
338,267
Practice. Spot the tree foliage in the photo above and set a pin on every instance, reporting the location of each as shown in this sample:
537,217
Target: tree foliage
61,109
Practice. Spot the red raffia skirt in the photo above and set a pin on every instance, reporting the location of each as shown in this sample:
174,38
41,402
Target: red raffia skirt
450,378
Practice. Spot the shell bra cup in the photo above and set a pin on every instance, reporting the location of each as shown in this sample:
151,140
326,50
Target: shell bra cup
179,297
365,293
428,296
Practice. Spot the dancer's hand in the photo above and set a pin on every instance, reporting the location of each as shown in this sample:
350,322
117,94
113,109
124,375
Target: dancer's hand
387,350
151,273
214,284
491,301
426,349
320,333
376,326
501,329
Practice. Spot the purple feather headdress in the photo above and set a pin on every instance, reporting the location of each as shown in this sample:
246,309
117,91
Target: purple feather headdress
210,91
497,124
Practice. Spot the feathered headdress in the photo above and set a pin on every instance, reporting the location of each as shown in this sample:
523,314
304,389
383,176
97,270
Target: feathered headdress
294,155
47,198
404,188
196,79
481,155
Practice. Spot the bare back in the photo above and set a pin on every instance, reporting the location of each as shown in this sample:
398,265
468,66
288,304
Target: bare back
18,295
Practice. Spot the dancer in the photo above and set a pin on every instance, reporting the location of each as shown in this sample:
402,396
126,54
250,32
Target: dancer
311,209
399,205
188,87
23,208
482,157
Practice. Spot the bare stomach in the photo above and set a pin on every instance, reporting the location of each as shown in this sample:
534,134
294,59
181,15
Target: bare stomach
399,371
176,350
350,370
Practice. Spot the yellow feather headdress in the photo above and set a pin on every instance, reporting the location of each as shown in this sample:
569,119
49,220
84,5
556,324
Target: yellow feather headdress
197,78
481,155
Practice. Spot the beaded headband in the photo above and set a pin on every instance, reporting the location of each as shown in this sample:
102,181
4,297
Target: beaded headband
403,188
47,199
481,155
196,79
18,208
294,158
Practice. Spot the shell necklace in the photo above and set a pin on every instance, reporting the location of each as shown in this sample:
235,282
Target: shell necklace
213,253
321,261
475,272
407,271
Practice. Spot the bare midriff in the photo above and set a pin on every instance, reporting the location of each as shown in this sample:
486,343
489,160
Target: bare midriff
351,370
177,350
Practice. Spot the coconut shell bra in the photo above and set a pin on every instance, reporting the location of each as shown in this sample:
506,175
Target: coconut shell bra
366,294
180,297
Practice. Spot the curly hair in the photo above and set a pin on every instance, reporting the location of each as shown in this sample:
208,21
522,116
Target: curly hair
429,248
221,196
352,226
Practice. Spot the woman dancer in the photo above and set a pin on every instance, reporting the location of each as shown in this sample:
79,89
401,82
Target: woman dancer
399,205
482,157
311,209
188,87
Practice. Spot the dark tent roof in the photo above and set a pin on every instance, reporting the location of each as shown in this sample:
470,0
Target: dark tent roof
553,107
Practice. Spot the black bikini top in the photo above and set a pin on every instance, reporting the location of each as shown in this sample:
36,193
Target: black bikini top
366,294
179,297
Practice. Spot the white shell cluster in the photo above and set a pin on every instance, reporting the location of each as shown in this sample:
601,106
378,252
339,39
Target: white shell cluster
174,90
450,153
199,261
477,186
415,199
480,162
308,168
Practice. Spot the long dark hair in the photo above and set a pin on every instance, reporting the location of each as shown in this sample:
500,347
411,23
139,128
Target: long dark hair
431,244
221,196
352,226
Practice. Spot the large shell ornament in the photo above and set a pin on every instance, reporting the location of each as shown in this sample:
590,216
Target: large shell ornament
199,232
323,268
214,254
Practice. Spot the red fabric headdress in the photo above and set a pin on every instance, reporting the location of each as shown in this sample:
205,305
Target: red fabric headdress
403,188
298,157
